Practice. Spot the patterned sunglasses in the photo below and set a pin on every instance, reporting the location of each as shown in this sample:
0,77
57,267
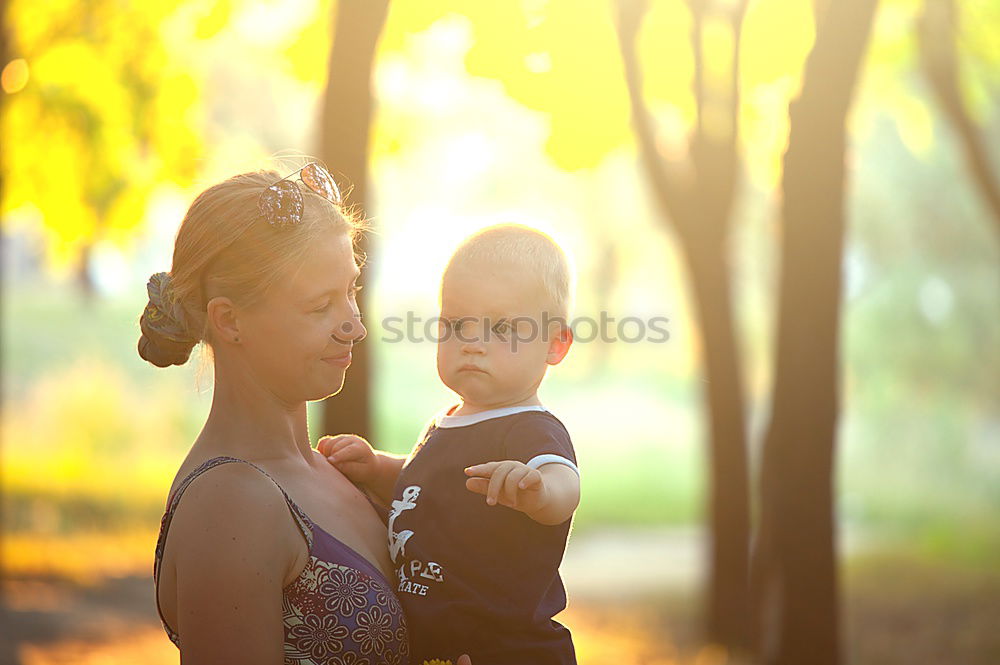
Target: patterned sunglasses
281,204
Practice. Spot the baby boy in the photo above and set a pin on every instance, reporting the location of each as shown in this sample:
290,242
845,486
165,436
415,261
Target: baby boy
481,576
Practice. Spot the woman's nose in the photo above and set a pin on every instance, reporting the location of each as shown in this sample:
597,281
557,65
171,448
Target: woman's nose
351,330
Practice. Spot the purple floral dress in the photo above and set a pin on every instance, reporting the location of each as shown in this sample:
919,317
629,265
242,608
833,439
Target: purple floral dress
340,610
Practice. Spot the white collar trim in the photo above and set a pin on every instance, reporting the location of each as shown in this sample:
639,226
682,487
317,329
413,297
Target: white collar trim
443,420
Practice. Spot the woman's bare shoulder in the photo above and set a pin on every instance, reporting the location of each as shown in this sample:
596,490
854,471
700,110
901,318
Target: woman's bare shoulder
233,538
232,505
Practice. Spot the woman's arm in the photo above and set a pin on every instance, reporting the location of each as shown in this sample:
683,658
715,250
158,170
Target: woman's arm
236,544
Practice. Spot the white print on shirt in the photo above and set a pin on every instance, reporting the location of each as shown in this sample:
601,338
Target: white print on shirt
409,576
397,543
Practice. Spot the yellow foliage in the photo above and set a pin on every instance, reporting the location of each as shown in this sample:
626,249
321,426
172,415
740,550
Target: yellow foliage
561,57
212,22
664,50
108,111
308,53
558,57
777,37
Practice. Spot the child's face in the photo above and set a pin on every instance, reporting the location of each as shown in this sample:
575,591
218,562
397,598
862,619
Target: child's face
492,351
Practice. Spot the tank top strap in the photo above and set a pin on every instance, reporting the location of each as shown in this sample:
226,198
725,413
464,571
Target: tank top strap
301,519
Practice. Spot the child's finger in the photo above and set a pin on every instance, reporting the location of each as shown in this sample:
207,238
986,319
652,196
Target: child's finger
323,445
350,468
477,485
347,448
510,487
531,480
327,445
482,470
497,480
345,454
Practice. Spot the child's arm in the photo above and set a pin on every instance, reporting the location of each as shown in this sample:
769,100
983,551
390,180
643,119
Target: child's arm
355,458
548,494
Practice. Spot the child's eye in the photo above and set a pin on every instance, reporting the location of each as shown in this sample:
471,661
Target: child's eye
501,328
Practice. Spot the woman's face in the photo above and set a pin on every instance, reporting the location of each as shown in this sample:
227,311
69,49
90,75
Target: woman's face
298,339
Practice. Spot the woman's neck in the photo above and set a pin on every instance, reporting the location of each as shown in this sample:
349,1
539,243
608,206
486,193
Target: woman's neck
250,422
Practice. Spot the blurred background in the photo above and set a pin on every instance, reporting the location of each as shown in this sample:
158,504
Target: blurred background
825,412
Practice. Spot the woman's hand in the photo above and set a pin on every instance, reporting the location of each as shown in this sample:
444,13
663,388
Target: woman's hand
352,456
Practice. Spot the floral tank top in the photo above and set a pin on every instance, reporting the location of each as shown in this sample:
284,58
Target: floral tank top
340,610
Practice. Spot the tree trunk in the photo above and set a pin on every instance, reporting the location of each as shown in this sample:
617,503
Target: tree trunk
937,38
727,620
699,213
84,274
797,476
345,129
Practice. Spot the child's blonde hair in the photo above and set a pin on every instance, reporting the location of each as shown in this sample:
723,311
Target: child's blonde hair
521,248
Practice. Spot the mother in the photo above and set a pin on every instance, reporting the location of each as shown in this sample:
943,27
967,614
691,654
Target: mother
266,553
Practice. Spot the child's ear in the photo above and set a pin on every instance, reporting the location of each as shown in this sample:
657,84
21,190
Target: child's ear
559,345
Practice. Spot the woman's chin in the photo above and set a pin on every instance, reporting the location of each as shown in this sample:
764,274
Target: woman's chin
327,389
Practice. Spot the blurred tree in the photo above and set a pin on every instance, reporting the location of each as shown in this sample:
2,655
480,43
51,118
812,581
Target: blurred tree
345,127
4,60
937,35
106,114
695,197
558,56
795,559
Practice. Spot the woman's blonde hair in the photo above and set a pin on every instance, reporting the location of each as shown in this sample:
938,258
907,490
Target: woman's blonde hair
225,248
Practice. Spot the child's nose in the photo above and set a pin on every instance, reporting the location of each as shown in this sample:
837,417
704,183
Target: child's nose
474,345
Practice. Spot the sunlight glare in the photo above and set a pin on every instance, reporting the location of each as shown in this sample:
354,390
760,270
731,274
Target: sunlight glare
538,63
14,76
270,24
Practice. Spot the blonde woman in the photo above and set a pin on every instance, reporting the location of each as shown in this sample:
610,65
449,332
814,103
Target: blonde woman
266,553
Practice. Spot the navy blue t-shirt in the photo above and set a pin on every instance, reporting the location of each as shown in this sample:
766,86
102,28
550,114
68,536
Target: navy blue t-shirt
473,578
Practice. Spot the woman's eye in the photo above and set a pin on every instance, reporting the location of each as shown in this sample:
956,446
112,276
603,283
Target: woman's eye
322,309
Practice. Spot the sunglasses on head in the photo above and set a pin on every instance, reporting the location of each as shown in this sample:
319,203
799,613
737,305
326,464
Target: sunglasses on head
281,203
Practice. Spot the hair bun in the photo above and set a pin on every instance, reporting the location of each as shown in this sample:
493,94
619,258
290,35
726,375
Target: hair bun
165,338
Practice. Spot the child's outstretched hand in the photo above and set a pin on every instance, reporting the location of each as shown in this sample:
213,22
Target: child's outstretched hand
351,455
509,483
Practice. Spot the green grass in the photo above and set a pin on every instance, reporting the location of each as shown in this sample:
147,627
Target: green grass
92,435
